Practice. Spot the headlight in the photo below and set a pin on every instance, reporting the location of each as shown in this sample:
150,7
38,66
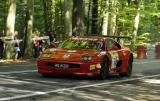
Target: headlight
45,55
87,58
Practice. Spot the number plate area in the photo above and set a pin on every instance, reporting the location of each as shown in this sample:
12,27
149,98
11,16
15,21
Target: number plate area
62,65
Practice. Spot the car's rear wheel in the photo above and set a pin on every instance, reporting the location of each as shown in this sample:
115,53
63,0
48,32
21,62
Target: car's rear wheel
104,71
129,69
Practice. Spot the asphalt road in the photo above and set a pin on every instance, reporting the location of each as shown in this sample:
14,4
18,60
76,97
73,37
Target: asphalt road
23,83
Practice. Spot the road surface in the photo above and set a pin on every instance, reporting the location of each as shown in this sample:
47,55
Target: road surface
23,83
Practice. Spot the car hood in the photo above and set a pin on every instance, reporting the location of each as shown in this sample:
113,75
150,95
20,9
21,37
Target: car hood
70,54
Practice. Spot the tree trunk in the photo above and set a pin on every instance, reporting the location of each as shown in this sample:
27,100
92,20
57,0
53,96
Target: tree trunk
78,17
11,17
28,39
105,19
88,18
95,18
113,18
10,26
68,5
45,15
136,22
48,15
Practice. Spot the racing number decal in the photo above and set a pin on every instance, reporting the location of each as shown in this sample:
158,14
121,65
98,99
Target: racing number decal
115,58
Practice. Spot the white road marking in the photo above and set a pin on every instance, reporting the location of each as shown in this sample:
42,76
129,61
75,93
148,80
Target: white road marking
28,65
145,62
24,65
15,72
71,88
37,93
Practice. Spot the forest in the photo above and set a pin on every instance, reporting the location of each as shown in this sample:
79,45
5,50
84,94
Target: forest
139,19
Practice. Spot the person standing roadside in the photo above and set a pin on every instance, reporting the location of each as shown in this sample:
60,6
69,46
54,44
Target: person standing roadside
36,44
1,48
16,43
53,43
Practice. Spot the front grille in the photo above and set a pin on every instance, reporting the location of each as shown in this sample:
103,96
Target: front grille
62,65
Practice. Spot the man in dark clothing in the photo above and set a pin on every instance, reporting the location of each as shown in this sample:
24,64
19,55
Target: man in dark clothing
1,48
36,44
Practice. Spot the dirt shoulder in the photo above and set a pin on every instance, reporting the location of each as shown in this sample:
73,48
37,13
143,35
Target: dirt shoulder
24,61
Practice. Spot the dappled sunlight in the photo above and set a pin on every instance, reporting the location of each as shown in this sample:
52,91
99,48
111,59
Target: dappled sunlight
148,97
14,90
152,81
84,90
12,80
68,15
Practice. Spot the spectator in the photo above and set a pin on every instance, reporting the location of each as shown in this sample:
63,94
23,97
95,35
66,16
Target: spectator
16,42
50,34
53,43
1,48
36,44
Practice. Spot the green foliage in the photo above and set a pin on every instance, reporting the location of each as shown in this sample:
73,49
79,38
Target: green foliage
38,16
142,39
3,14
126,12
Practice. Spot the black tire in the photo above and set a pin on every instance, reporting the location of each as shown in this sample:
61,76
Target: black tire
46,75
129,69
104,71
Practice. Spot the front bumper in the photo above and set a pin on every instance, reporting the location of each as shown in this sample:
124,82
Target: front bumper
75,68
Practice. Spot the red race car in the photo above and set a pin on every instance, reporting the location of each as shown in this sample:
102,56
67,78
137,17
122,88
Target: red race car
87,55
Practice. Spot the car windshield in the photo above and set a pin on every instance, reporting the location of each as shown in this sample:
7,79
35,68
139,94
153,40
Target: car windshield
83,44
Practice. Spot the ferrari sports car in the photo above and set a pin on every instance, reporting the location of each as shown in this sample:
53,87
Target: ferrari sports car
87,56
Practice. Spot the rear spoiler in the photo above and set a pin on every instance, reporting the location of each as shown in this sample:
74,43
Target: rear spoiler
118,37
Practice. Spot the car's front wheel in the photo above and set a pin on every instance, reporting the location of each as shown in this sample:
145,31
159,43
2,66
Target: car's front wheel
129,69
104,71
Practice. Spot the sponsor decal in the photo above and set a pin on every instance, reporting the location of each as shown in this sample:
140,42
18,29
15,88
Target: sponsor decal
102,53
92,67
56,56
45,55
115,58
71,51
98,65
66,56
52,49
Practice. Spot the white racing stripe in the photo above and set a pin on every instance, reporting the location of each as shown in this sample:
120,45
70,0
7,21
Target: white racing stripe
37,93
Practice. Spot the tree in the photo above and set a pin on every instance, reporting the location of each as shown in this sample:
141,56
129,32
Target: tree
88,11
94,28
113,17
10,26
136,20
48,15
78,17
105,18
3,14
68,5
29,27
